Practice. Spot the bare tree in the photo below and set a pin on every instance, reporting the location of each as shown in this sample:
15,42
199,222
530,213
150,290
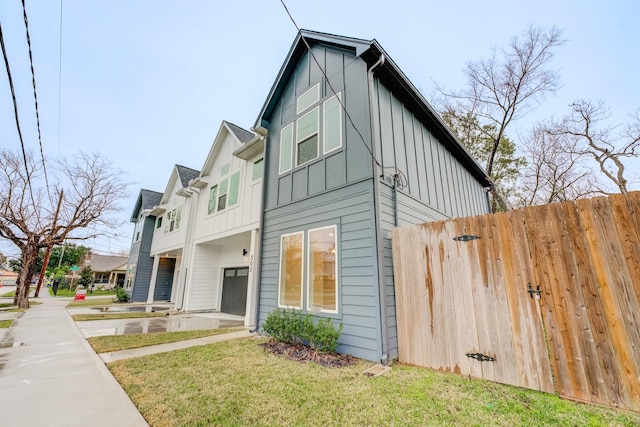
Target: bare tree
503,87
607,146
91,188
555,170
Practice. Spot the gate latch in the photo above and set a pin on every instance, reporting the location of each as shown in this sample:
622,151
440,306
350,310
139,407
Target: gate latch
536,292
481,357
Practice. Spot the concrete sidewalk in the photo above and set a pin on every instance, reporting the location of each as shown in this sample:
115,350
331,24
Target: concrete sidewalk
50,376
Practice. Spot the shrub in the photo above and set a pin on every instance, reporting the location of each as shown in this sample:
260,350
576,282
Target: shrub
292,327
122,295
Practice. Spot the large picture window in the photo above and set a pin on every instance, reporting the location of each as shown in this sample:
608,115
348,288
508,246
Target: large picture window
291,261
322,269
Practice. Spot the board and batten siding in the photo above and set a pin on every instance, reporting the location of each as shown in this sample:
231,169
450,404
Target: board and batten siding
434,176
349,208
139,256
202,293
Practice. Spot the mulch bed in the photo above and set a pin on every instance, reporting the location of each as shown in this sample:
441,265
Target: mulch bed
302,353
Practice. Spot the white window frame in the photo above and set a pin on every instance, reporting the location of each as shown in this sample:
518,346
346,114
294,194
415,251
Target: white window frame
298,307
324,123
315,87
316,309
316,110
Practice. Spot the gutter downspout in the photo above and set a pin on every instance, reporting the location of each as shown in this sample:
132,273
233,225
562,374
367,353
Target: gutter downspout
188,244
373,109
258,262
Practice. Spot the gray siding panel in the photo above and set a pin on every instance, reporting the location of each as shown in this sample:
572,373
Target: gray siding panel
349,207
143,261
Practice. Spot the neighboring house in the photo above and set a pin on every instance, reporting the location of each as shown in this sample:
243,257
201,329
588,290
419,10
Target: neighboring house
170,234
8,277
108,270
138,273
336,183
221,246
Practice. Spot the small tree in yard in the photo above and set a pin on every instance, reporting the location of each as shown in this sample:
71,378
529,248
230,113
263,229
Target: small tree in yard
86,277
32,217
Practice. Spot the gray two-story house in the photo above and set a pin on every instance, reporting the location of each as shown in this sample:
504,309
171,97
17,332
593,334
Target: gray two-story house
353,149
140,262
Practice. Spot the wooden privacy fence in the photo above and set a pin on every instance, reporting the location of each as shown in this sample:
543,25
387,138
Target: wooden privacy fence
545,298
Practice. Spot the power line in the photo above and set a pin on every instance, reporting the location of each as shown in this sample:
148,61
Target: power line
60,77
35,96
15,110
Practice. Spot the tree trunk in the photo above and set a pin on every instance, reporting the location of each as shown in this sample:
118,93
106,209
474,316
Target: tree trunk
29,257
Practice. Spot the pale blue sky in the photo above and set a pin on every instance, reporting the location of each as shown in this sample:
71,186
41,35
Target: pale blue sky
146,83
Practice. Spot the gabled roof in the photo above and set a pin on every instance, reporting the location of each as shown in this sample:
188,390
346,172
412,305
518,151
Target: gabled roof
186,174
388,73
239,134
107,263
146,200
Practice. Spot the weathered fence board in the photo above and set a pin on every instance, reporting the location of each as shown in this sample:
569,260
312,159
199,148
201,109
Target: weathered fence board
477,297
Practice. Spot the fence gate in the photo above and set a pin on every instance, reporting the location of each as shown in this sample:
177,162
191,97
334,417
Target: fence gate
508,296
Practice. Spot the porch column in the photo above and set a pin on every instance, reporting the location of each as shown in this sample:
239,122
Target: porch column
154,274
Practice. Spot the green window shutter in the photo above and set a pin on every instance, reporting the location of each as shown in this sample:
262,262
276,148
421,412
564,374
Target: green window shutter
286,147
213,192
332,124
234,185
258,169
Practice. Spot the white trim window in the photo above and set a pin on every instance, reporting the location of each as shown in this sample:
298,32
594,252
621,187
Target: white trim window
291,266
258,169
173,220
314,120
322,270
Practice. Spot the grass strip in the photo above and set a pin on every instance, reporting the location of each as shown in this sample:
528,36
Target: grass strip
237,382
5,323
125,342
91,302
113,316
8,294
70,293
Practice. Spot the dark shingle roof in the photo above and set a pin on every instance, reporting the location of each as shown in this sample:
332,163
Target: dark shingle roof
106,263
241,134
186,174
150,198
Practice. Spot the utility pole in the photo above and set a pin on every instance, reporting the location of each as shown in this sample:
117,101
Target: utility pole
47,253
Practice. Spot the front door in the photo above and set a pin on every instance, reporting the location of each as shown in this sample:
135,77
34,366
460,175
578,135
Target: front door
234,291
164,279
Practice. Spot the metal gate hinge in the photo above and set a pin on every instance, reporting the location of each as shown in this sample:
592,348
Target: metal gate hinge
481,357
465,238
537,292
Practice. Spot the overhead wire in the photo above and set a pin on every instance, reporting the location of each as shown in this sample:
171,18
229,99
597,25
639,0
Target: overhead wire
35,97
399,177
15,111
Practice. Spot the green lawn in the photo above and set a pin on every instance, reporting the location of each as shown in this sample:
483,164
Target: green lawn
124,342
237,383
70,293
92,302
8,294
5,323
112,316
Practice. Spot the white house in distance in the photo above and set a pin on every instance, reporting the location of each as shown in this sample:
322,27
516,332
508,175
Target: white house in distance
222,256
170,235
